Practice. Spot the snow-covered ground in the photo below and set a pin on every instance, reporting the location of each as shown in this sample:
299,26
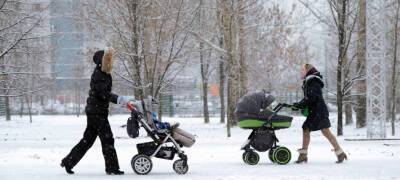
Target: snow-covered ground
34,151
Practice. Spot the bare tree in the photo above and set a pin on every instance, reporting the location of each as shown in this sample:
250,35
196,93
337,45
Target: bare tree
277,52
239,35
150,37
341,11
20,23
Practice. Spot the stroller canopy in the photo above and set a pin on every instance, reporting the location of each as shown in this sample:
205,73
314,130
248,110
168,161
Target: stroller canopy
250,105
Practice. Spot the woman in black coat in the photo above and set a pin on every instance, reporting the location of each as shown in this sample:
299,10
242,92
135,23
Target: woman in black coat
318,116
100,96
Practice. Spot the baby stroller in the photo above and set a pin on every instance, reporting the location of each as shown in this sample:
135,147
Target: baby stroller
253,113
167,141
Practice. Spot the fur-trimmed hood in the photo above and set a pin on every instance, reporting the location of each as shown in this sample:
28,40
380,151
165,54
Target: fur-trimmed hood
316,77
103,60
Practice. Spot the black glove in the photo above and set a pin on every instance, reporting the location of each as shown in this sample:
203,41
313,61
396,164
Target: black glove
296,106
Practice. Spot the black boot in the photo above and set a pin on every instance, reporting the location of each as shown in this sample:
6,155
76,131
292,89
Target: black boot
115,172
68,169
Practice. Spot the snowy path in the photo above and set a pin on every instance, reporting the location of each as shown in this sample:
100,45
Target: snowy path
34,151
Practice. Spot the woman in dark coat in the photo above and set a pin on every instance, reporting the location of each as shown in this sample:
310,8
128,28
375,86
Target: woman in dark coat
318,116
100,96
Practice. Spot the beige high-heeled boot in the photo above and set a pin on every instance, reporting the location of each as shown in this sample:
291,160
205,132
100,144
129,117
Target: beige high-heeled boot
341,156
302,156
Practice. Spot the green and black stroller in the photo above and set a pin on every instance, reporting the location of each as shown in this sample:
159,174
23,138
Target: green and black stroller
253,113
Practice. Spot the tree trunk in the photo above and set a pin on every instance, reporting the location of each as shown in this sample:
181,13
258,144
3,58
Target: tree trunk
29,103
229,114
234,66
160,110
394,72
228,44
361,105
340,113
204,80
205,103
8,110
148,28
341,59
242,62
221,66
348,113
42,100
221,88
204,66
133,11
21,110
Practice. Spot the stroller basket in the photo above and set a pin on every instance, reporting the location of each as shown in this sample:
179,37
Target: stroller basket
146,148
150,147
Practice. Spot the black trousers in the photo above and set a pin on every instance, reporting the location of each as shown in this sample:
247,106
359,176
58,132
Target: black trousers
97,125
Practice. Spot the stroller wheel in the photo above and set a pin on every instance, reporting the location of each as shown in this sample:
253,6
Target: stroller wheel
271,154
281,155
179,167
141,164
251,158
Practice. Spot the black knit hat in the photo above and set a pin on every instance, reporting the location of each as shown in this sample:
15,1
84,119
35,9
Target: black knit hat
98,57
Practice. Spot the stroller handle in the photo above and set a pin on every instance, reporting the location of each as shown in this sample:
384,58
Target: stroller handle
130,106
278,107
134,110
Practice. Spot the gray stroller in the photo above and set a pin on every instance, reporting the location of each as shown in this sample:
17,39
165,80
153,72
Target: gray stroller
167,141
